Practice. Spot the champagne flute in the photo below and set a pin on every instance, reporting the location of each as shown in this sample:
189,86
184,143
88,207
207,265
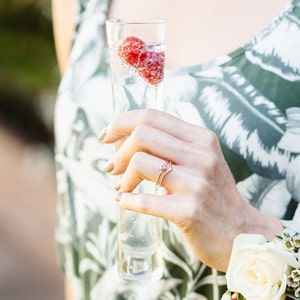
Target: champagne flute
137,55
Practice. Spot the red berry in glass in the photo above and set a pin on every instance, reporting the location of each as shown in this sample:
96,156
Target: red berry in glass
147,59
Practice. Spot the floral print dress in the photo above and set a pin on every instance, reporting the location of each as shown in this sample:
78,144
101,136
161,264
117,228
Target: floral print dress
250,98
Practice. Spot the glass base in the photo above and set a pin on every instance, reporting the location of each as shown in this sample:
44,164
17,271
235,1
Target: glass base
147,268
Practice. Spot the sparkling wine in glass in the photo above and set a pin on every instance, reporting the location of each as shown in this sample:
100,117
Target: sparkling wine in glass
137,56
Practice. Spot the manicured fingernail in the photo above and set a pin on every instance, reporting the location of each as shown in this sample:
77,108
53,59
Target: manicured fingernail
109,166
102,134
117,187
118,197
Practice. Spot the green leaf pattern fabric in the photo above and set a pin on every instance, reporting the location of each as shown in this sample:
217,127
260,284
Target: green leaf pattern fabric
250,98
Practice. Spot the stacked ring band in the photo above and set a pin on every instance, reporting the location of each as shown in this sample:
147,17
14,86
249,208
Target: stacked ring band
165,168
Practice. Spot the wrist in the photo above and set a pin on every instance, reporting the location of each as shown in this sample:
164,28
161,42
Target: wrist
258,222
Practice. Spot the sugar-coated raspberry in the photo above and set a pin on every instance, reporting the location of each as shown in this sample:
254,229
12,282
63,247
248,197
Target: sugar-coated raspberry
130,50
148,62
151,67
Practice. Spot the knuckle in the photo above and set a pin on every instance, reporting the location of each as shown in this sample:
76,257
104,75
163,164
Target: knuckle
200,189
197,201
139,134
194,210
148,116
211,139
213,163
137,161
147,209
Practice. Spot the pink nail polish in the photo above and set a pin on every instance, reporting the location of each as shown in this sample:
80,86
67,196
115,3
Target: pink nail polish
109,166
118,197
117,187
102,134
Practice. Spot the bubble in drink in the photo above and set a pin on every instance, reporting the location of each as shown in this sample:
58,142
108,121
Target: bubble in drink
139,246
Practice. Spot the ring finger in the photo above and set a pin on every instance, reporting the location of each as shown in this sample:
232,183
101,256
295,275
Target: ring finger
143,166
159,144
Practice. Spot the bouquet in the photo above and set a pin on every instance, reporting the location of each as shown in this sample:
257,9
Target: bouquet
264,270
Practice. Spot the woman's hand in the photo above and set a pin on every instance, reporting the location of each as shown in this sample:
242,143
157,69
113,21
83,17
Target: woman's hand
201,196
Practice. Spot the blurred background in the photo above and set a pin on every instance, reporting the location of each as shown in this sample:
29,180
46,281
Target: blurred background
28,82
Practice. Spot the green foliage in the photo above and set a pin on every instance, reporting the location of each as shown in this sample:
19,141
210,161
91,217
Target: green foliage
28,67
27,54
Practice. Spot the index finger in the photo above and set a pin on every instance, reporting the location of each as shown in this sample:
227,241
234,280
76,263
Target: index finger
122,125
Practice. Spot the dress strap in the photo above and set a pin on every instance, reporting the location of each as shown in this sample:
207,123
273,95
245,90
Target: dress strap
84,9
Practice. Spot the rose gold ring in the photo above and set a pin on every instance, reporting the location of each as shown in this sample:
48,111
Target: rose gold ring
165,168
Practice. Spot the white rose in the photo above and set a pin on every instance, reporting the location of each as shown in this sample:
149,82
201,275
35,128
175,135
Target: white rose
257,269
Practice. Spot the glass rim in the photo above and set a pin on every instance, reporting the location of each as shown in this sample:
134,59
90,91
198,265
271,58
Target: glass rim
135,22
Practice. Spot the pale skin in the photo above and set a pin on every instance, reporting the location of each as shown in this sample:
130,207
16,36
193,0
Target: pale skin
201,199
209,191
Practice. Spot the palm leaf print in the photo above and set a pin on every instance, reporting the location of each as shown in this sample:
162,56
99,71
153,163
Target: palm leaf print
273,54
269,196
246,121
193,276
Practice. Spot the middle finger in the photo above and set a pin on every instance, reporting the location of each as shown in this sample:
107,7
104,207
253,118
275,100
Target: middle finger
157,143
